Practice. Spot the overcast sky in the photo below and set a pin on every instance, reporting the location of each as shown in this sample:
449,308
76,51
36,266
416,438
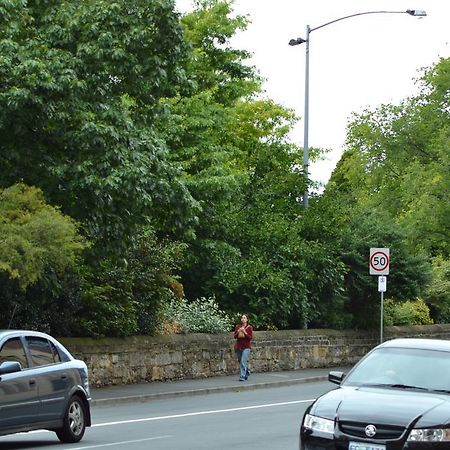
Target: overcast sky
355,64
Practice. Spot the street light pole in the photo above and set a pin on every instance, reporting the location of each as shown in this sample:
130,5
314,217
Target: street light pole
306,121
298,41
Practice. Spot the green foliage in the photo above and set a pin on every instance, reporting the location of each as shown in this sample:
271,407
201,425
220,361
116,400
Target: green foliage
390,189
399,158
437,295
153,133
40,251
151,266
125,297
200,316
53,307
349,230
408,272
275,279
36,237
409,312
240,168
214,66
79,85
108,305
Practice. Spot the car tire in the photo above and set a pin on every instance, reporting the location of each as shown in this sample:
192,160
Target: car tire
74,424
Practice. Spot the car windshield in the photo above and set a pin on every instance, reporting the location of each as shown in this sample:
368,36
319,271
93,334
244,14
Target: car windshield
403,368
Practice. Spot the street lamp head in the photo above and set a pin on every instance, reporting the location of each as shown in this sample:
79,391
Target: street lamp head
297,41
416,12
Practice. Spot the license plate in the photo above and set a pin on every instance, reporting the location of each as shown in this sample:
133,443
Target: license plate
365,446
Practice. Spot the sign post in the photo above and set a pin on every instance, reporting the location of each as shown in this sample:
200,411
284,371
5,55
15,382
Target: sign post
379,265
382,284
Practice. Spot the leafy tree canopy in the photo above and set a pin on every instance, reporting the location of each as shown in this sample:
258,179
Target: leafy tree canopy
391,189
79,85
241,168
398,157
35,236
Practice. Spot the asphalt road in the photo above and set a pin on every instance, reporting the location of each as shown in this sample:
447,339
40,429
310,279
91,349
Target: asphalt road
256,419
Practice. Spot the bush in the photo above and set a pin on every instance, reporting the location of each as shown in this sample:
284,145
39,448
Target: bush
41,251
438,293
125,297
200,316
410,312
36,238
108,307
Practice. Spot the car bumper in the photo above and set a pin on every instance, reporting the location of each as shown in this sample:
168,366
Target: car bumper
319,443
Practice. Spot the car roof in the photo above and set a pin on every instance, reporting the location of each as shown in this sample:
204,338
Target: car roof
5,333
15,333
424,344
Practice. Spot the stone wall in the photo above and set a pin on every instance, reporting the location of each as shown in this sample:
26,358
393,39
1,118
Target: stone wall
146,359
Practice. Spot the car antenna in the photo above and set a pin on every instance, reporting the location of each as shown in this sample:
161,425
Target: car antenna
12,316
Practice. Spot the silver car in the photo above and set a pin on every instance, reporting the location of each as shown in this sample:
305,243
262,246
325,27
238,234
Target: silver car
42,386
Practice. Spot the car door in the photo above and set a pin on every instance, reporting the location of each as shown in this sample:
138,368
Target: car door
19,400
53,377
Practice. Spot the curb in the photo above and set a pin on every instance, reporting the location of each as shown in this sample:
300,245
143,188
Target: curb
242,387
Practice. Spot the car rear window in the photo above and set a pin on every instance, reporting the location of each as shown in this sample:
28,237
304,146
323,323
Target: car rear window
12,350
43,352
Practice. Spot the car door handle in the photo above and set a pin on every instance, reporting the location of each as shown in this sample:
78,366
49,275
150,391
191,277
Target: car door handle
32,382
64,376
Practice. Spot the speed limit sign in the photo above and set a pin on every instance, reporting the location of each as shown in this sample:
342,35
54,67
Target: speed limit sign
379,261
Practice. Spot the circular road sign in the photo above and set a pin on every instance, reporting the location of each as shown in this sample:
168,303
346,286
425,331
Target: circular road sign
379,261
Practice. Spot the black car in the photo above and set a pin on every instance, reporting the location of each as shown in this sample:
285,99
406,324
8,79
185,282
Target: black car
396,398
42,386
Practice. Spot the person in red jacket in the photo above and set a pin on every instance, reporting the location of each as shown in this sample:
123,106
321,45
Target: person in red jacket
243,333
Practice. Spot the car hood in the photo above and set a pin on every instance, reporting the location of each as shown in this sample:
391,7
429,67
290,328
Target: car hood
384,405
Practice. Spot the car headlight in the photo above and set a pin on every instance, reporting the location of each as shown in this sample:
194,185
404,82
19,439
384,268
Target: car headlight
315,423
430,435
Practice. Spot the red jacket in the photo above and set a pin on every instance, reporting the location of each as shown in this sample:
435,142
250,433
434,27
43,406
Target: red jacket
243,342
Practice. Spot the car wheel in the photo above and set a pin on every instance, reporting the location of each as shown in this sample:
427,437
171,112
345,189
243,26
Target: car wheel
74,424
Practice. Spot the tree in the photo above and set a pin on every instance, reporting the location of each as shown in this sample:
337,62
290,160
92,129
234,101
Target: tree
80,83
438,292
408,272
398,157
248,249
35,236
39,247
390,189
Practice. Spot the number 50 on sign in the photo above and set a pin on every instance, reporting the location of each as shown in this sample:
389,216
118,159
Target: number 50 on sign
379,261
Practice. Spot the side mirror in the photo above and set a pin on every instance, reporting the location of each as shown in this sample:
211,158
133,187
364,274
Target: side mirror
336,377
10,367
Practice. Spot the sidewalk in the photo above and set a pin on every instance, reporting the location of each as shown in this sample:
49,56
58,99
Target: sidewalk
228,383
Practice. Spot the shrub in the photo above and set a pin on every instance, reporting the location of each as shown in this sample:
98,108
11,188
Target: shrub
41,251
438,293
108,307
36,238
200,316
410,312
125,297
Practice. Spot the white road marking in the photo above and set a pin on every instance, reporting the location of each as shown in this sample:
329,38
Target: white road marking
174,416
199,413
121,443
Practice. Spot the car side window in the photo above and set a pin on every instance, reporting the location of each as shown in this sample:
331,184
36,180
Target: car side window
56,355
12,350
43,352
